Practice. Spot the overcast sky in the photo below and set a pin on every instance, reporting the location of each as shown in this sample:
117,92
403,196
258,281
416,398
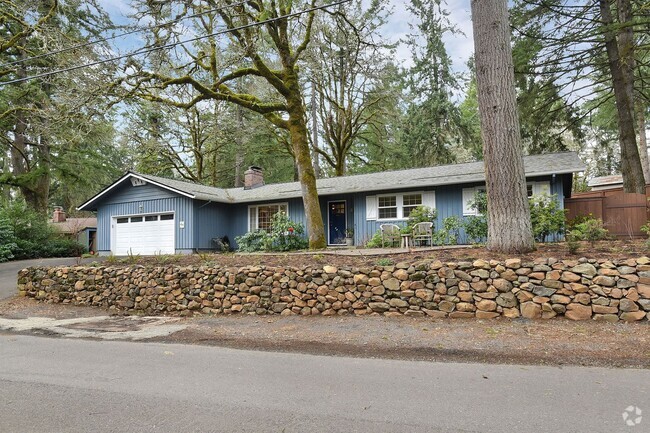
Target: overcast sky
459,47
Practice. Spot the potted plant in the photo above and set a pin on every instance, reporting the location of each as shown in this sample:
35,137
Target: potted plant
349,237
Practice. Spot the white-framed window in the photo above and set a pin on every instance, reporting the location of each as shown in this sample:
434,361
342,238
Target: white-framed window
468,199
397,206
538,188
410,202
532,188
387,206
259,215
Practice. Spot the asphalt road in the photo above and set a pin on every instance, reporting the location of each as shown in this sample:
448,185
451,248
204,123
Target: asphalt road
64,385
9,271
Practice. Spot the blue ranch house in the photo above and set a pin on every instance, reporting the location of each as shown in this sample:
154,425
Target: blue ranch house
144,214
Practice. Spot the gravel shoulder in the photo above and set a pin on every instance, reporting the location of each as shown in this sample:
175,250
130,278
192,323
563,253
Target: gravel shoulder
504,341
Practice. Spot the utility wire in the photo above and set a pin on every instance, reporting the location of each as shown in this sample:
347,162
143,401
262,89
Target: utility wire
162,47
110,38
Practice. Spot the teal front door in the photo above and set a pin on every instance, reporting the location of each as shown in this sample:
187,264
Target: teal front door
336,221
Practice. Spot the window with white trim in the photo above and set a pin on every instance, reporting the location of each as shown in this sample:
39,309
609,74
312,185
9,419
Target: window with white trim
398,206
259,216
410,202
532,188
387,206
538,188
468,199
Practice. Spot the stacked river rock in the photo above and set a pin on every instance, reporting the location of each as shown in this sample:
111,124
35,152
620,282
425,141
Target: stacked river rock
545,288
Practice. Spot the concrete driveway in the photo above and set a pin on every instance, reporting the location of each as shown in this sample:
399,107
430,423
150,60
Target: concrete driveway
9,271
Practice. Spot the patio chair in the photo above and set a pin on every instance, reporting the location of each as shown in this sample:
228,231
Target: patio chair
423,232
390,232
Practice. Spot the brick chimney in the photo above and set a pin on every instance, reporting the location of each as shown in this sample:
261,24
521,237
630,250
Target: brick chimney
253,178
59,215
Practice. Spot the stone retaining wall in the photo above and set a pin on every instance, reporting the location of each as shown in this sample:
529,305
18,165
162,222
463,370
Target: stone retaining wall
578,290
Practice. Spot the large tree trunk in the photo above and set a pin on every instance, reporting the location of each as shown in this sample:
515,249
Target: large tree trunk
621,67
314,130
509,226
306,175
239,153
643,139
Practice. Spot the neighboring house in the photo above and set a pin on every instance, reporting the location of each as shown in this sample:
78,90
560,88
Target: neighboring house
602,183
83,230
145,214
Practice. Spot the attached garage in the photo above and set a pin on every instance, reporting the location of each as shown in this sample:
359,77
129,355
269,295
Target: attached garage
148,215
143,234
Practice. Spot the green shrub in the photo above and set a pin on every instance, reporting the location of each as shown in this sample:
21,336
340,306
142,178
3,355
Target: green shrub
62,247
252,241
546,216
450,231
591,230
422,214
384,261
285,235
33,236
476,228
573,244
375,240
570,224
479,202
7,239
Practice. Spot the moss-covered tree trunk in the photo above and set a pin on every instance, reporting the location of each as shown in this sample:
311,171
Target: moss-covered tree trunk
306,175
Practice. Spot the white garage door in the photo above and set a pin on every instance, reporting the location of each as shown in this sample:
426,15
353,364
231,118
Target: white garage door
144,234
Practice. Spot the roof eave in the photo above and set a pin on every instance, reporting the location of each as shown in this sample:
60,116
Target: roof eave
86,205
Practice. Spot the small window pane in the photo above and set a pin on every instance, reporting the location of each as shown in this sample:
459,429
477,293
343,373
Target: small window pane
407,210
388,212
412,199
337,208
166,217
529,190
264,214
122,220
136,219
151,218
387,201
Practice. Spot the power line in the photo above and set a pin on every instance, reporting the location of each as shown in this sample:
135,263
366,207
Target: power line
170,45
110,38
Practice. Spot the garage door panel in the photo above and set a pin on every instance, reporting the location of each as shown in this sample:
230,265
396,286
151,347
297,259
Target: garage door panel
144,236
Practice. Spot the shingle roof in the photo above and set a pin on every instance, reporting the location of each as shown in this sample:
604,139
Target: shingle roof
534,165
472,172
74,225
613,179
200,192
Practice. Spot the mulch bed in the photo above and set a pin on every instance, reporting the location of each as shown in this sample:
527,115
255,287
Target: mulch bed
601,250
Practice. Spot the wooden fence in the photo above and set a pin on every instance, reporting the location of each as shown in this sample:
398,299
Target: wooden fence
622,213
